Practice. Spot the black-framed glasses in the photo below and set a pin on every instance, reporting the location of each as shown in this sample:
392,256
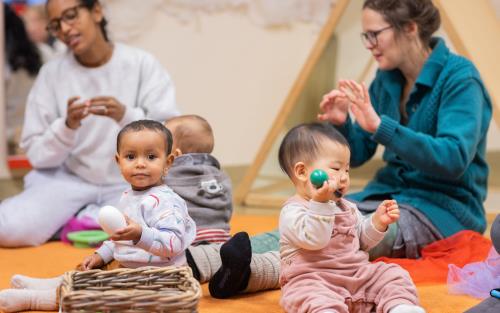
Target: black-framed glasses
370,37
69,16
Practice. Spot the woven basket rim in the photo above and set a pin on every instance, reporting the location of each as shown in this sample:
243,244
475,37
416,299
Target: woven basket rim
176,288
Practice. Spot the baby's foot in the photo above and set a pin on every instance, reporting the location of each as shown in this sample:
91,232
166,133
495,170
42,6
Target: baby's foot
232,277
14,300
407,308
25,282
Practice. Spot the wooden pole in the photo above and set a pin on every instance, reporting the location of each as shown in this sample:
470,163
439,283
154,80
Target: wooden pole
244,187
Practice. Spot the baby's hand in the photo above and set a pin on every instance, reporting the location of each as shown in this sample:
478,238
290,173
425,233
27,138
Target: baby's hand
326,192
132,231
386,213
91,262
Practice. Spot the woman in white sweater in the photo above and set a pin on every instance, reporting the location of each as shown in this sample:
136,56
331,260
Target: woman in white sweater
75,109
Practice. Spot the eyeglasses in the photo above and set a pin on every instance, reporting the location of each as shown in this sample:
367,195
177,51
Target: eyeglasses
69,17
370,38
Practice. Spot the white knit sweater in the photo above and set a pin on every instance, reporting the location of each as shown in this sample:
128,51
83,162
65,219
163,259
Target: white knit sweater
135,78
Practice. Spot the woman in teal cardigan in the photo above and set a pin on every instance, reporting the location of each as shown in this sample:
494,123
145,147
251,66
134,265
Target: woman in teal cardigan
430,111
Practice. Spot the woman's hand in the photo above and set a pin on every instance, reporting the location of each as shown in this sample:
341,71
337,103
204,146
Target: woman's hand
334,108
91,262
133,231
361,106
76,112
107,106
386,213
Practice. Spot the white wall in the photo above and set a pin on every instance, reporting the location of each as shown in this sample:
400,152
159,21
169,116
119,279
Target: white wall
237,74
496,6
230,71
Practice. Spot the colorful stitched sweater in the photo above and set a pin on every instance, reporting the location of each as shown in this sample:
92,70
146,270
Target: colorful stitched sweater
167,230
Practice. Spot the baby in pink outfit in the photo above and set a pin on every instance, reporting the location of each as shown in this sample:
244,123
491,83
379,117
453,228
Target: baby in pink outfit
325,239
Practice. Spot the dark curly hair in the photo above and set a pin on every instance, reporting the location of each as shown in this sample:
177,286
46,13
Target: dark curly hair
21,52
149,125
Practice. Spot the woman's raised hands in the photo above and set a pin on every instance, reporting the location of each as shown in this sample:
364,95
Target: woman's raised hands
360,104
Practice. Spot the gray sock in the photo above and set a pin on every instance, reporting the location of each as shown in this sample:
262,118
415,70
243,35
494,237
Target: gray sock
207,260
265,272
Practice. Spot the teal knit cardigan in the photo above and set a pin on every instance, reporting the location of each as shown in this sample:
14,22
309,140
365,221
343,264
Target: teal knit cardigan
436,162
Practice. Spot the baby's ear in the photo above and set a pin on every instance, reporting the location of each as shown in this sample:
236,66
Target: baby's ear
177,152
117,158
170,160
300,171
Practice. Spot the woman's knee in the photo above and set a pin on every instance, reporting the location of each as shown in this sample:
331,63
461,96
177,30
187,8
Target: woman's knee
16,234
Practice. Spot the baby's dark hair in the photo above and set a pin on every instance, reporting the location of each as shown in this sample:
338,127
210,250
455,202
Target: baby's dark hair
303,143
149,125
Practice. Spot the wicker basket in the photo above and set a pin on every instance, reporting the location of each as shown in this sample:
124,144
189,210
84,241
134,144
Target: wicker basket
145,289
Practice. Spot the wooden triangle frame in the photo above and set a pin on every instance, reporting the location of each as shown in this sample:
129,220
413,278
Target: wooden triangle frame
293,96
462,21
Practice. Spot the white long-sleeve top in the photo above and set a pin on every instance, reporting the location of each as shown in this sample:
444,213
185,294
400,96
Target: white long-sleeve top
310,227
167,230
132,76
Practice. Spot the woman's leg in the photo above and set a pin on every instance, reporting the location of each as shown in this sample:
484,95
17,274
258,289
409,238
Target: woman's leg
405,238
50,198
105,195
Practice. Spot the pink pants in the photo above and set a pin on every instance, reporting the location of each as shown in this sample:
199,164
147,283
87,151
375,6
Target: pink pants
340,278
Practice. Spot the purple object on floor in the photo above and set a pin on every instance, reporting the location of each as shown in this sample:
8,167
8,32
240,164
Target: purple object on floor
77,224
475,279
